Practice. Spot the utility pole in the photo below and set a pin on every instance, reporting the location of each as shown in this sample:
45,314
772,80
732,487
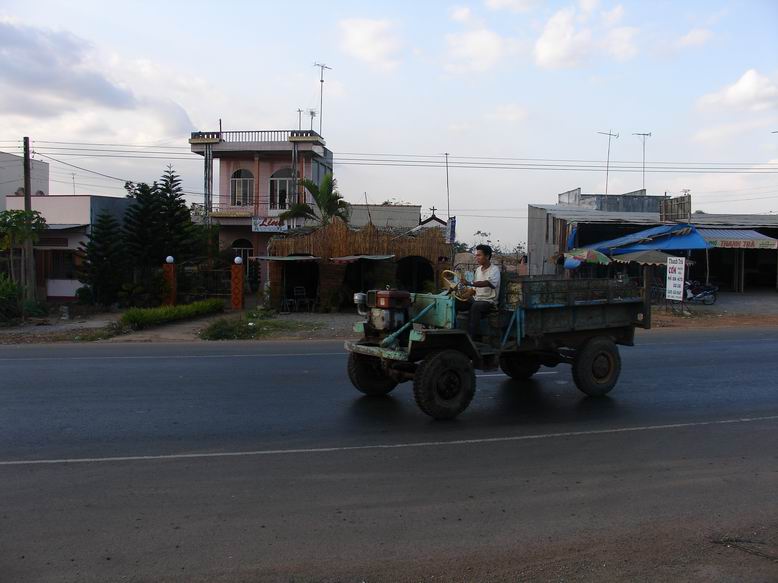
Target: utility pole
610,135
73,174
28,257
321,66
643,137
299,119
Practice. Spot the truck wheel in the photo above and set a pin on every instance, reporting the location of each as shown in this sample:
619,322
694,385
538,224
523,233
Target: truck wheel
597,367
444,384
517,367
366,374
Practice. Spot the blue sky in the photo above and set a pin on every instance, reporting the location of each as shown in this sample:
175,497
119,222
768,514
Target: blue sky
492,78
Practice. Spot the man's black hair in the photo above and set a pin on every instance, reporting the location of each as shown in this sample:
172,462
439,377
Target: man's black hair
486,249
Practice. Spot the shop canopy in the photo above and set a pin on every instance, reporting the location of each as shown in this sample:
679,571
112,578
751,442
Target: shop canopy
650,257
681,237
287,258
738,239
353,258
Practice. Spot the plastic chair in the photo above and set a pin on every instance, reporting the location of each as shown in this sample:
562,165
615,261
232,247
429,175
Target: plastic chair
299,297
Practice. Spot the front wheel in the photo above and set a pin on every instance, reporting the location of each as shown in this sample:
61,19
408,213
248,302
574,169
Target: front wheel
367,375
444,384
517,367
597,367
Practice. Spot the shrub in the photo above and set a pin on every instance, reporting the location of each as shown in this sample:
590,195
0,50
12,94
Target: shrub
241,329
10,294
139,318
84,296
35,308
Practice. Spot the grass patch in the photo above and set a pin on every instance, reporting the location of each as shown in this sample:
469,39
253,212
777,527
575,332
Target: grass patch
252,328
140,318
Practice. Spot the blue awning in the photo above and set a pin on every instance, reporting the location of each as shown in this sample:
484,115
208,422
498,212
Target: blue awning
681,237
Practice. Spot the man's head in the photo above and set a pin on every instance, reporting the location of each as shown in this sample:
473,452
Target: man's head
483,254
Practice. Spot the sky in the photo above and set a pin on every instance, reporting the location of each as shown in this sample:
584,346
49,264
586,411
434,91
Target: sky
513,90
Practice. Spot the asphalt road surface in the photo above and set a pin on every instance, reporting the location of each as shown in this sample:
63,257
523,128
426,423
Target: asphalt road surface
259,462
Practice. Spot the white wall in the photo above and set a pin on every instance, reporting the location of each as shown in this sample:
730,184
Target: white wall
57,209
12,176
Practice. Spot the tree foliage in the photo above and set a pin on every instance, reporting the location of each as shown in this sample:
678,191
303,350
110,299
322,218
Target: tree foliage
329,203
16,228
105,260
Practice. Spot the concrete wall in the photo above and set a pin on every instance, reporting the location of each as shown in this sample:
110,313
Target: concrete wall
542,236
59,209
397,216
12,176
631,202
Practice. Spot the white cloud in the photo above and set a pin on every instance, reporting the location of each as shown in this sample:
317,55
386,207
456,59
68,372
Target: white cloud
752,91
620,43
510,112
561,45
613,17
372,41
719,133
461,14
512,5
695,37
565,42
588,6
475,50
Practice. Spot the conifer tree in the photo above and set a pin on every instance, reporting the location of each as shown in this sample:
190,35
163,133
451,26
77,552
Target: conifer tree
105,266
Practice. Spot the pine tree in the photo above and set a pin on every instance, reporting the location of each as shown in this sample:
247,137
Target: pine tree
104,268
144,230
181,238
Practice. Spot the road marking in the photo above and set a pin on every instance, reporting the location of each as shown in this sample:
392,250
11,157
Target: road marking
500,374
418,444
171,356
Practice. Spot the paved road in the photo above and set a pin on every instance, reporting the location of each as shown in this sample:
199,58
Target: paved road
258,462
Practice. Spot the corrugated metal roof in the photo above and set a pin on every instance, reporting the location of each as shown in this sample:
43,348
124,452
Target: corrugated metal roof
65,226
738,239
587,215
352,258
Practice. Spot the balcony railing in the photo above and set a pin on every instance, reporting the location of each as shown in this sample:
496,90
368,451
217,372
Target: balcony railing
255,136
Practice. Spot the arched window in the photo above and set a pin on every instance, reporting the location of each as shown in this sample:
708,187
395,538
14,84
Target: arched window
244,249
281,189
242,188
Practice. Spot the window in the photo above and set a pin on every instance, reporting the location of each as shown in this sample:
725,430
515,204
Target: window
62,265
281,189
244,249
242,188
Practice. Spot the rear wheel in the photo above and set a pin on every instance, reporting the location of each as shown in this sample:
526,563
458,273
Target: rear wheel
518,367
597,367
367,375
444,384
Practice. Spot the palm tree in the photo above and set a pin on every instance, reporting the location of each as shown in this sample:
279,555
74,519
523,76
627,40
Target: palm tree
329,203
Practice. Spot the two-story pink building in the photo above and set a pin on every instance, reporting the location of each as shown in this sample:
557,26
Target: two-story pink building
259,178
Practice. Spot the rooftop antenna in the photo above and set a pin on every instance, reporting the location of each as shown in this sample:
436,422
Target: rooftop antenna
610,135
312,113
643,137
321,66
299,119
367,206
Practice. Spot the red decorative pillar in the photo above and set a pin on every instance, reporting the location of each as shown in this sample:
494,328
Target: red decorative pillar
169,273
236,284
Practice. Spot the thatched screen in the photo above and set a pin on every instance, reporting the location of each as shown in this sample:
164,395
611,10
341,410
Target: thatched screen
338,240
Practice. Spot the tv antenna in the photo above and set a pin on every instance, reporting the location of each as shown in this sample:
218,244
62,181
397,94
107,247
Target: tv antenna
610,135
321,66
643,137
312,113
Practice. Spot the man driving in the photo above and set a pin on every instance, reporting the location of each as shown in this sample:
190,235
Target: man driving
486,284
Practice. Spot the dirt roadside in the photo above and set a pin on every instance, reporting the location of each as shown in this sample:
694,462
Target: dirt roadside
101,327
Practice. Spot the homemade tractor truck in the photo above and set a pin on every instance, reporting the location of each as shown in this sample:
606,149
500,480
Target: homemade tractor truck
538,321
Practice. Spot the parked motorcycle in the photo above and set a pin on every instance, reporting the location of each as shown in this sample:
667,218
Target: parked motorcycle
698,293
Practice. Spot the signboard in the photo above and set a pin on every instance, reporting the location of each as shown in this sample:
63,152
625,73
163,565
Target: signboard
678,209
268,225
676,270
743,243
451,230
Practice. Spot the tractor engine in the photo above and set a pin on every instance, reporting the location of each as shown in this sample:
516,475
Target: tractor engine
386,311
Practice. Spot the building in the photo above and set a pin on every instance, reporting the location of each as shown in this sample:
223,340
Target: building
69,219
12,177
732,261
393,216
259,174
